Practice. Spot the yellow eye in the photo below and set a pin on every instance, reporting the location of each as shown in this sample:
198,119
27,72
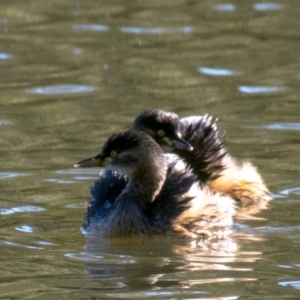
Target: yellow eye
113,153
161,132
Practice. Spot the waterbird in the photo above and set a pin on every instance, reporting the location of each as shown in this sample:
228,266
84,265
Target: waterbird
207,156
143,191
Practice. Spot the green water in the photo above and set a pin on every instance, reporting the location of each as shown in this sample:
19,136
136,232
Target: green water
74,72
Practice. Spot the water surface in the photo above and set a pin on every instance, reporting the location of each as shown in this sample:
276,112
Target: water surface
74,72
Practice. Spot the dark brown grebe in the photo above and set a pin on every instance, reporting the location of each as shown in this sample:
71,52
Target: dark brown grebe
209,160
146,192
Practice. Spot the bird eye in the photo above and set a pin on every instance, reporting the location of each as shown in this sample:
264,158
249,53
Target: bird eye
113,153
161,132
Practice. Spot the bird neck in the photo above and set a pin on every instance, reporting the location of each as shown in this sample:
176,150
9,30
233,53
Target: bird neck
145,183
130,215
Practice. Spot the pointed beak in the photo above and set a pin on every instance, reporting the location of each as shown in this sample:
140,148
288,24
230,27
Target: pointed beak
97,161
180,143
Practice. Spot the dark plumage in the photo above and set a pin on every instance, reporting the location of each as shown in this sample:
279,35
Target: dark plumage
209,159
205,156
206,159
142,191
164,127
103,194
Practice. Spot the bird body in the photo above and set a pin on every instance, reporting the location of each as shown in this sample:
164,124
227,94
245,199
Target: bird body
239,180
209,159
145,192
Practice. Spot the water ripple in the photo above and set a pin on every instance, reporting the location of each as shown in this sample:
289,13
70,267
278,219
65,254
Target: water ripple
105,258
156,30
61,89
92,27
217,72
293,283
291,191
6,56
3,122
4,175
25,228
77,51
3,20
22,245
284,126
19,209
278,196
76,205
175,293
84,178
285,266
45,243
260,89
225,7
75,171
60,181
78,175
267,6
275,230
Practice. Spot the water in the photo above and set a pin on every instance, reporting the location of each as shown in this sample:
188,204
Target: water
74,72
